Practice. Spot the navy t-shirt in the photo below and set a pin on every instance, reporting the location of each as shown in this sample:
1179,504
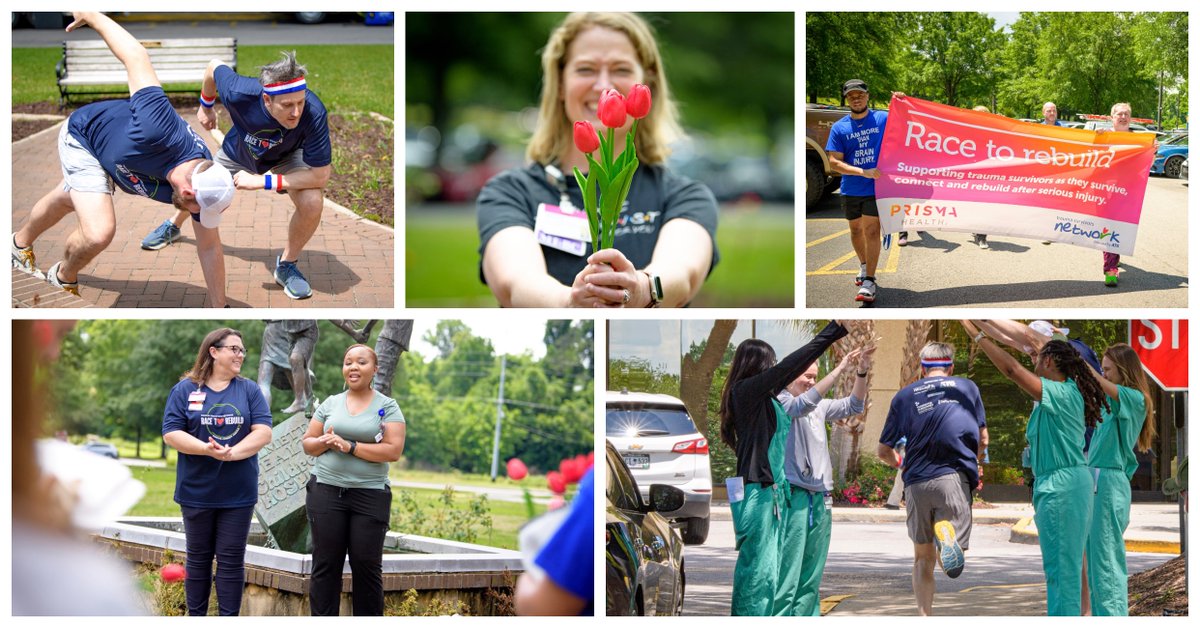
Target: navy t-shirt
138,141
226,416
259,142
941,417
567,557
858,141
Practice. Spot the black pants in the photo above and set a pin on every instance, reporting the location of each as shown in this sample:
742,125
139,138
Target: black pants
219,533
353,520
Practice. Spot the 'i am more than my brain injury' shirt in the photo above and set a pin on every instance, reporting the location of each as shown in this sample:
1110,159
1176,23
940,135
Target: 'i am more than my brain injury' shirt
858,141
138,141
941,417
226,416
341,469
258,141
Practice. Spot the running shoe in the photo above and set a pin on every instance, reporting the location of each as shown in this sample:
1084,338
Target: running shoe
981,240
950,554
294,284
162,236
862,274
22,258
52,278
903,241
1110,280
866,293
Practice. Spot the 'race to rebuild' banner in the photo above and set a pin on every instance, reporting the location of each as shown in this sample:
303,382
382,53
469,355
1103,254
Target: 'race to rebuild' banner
952,169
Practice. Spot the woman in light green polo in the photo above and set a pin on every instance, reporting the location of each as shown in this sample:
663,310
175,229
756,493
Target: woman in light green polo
354,435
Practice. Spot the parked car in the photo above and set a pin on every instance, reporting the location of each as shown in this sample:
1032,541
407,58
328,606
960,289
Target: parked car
643,553
660,444
1107,125
819,177
1071,124
1169,158
1183,170
103,449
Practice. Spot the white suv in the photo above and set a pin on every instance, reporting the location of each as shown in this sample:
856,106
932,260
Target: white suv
660,445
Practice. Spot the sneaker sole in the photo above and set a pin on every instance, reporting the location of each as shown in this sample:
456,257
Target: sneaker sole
289,293
864,299
949,551
159,246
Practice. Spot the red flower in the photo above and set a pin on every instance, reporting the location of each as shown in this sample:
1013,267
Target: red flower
611,109
637,104
516,469
591,458
555,481
172,572
586,139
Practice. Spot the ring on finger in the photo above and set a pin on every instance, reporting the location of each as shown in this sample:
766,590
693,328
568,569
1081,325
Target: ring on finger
625,296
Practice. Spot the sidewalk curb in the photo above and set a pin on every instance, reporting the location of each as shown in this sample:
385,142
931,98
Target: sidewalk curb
1021,533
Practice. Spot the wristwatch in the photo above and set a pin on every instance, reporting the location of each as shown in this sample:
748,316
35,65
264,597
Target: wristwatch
656,291
353,446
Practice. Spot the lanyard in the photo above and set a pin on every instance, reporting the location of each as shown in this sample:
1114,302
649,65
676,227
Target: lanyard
559,181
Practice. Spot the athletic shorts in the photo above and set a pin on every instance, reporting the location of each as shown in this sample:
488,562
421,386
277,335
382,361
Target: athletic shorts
81,170
858,206
944,498
294,161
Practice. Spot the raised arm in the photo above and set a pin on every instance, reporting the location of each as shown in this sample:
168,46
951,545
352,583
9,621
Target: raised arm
1015,334
126,48
1006,363
771,381
1110,389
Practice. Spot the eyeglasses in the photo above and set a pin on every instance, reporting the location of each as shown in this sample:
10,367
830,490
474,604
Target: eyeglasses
236,350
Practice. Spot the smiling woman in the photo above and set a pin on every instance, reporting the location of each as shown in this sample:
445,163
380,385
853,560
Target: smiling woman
533,245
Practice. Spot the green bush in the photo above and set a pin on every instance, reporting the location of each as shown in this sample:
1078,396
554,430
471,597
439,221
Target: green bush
445,520
1003,474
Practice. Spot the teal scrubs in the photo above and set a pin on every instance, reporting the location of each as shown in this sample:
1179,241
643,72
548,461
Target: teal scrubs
1062,492
1113,464
758,530
806,528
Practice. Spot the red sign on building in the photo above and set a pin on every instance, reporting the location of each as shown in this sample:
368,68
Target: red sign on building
1162,346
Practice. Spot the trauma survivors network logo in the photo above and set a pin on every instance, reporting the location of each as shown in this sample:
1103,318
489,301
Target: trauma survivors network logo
1089,231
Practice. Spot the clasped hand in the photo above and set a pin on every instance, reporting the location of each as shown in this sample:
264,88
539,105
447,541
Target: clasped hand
605,281
332,441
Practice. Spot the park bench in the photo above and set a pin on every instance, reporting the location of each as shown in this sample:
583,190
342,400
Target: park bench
91,65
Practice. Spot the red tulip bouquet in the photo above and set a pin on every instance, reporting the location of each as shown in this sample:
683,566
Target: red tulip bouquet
611,177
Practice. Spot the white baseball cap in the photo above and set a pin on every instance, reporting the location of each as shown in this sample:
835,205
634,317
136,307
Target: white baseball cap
214,193
1046,329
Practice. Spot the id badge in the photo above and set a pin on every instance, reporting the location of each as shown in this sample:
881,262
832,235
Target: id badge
196,400
828,501
735,488
562,228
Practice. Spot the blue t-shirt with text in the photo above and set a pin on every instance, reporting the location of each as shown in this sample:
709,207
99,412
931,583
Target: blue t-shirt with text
225,416
941,417
258,141
858,141
138,141
567,557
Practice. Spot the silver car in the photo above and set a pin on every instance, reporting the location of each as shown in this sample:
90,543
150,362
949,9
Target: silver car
660,444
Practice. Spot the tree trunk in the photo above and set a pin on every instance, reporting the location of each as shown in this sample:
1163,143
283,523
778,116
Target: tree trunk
696,376
138,449
843,440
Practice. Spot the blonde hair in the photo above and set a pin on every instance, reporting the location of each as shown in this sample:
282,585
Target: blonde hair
553,136
1113,111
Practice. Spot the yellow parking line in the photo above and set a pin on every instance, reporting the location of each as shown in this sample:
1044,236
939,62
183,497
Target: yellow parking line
828,268
828,238
893,260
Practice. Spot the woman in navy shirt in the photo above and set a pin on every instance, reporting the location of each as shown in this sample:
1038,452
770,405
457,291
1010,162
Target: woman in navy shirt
217,421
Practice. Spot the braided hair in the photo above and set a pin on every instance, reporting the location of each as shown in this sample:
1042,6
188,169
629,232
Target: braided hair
1072,366
753,356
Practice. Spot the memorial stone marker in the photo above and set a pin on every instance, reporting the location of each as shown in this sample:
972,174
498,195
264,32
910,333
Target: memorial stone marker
283,470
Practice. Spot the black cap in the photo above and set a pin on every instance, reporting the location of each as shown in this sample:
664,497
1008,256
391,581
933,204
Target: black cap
854,84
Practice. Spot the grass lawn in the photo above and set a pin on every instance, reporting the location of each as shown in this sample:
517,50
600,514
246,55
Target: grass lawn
756,269
336,74
507,517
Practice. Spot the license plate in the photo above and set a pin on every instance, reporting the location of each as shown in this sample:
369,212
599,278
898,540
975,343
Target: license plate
637,461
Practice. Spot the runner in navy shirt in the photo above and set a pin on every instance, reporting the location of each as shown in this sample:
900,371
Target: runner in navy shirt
217,421
143,146
942,418
853,148
279,127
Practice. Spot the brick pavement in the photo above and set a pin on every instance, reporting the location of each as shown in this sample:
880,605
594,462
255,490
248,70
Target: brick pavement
349,262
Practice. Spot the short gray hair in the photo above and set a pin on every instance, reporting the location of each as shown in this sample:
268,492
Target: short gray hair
286,69
937,351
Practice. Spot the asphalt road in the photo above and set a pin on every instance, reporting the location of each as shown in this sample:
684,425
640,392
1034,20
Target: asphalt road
873,563
255,32
945,269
